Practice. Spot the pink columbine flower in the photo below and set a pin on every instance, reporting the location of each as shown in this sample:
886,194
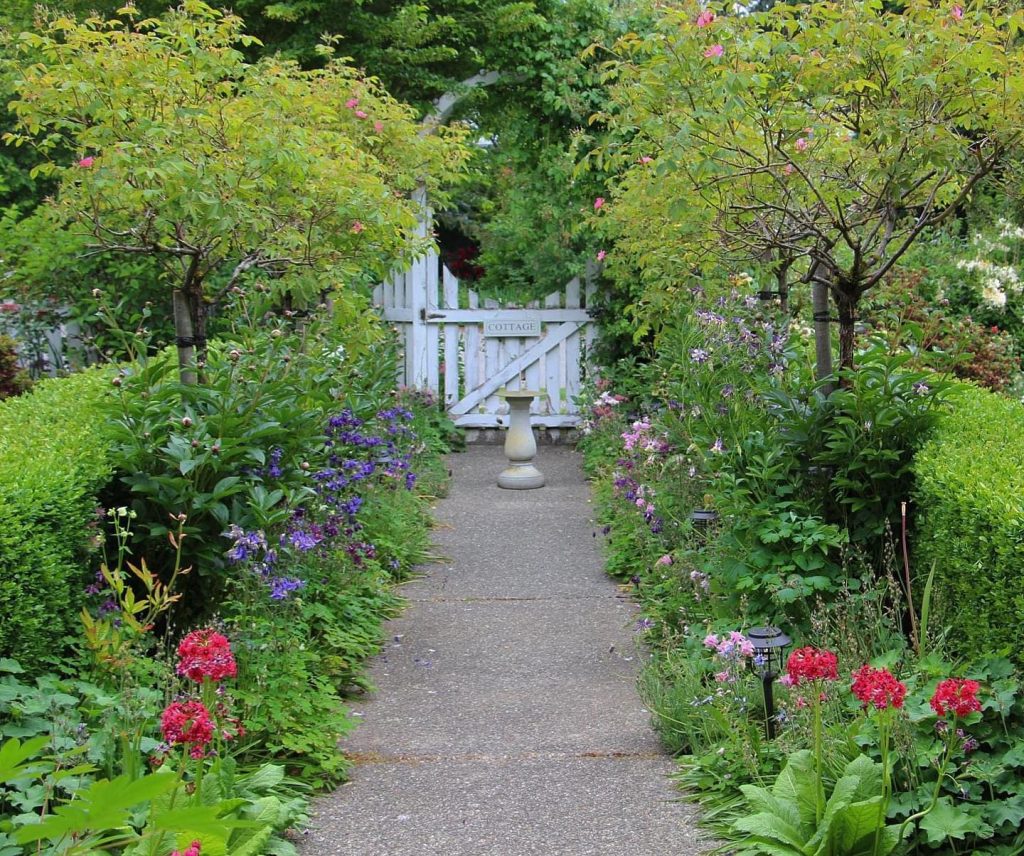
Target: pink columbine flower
85,163
958,12
705,19
645,159
800,144
357,227
714,50
600,255
788,169
665,560
711,641
352,103
360,114
599,203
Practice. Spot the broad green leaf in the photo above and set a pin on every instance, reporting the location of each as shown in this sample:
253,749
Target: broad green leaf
947,821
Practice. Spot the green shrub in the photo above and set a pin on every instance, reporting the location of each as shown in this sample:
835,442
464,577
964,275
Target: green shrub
970,499
53,461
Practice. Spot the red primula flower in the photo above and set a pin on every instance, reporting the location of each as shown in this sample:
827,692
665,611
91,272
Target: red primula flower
878,687
812,664
187,723
958,696
206,654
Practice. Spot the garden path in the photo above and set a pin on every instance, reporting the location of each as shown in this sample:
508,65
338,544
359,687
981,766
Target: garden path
506,720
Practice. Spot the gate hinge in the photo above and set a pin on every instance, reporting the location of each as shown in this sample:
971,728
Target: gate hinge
424,315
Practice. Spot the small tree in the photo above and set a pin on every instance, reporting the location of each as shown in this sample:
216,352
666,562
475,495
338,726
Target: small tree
186,152
822,138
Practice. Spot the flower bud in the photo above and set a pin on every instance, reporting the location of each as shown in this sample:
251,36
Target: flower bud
186,421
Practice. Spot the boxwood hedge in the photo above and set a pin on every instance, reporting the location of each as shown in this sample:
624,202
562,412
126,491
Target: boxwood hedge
970,506
53,461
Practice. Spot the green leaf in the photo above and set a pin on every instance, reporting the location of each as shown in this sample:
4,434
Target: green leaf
103,805
771,828
947,821
13,753
796,784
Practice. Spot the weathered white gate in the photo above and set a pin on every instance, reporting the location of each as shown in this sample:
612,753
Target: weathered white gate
467,350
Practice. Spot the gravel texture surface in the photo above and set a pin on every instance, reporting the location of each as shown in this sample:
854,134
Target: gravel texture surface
506,720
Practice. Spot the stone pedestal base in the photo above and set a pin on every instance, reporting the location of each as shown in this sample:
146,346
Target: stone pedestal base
520,444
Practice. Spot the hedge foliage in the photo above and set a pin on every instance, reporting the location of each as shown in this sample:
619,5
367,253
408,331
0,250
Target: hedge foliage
53,461
970,499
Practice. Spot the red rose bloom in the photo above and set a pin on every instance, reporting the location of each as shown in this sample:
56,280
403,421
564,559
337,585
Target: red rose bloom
187,723
812,664
878,687
958,696
206,654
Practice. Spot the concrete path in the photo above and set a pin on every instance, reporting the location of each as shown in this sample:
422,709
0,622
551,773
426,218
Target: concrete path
506,721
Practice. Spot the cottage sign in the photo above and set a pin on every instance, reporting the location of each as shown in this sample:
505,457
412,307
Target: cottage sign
520,327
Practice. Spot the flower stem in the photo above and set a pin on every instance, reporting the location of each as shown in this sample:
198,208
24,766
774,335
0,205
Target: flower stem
819,790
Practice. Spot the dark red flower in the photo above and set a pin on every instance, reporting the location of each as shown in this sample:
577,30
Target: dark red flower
206,654
958,696
811,664
878,687
187,723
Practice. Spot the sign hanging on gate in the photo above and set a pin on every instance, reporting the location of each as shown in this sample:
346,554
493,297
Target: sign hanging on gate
519,327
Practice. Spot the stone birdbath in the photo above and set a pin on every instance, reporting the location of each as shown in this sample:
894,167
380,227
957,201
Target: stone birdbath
520,445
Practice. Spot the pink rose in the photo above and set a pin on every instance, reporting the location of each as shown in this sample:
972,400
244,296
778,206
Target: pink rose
713,51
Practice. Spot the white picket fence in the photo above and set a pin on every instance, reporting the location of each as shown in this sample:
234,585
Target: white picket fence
467,350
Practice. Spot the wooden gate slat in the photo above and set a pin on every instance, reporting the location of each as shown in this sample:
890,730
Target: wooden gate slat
432,332
497,379
450,289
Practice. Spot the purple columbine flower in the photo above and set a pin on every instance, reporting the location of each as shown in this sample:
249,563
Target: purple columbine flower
699,355
281,588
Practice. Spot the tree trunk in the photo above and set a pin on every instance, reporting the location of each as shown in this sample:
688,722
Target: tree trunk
822,332
184,332
846,302
199,313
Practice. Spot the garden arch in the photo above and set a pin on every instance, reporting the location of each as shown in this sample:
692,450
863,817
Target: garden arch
466,349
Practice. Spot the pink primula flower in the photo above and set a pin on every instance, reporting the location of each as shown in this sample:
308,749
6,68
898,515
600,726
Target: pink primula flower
85,163
713,51
705,19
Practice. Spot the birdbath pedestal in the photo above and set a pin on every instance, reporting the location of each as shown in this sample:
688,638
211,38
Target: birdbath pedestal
520,446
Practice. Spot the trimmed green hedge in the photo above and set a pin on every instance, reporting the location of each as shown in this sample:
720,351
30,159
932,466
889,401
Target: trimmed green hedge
970,500
53,461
